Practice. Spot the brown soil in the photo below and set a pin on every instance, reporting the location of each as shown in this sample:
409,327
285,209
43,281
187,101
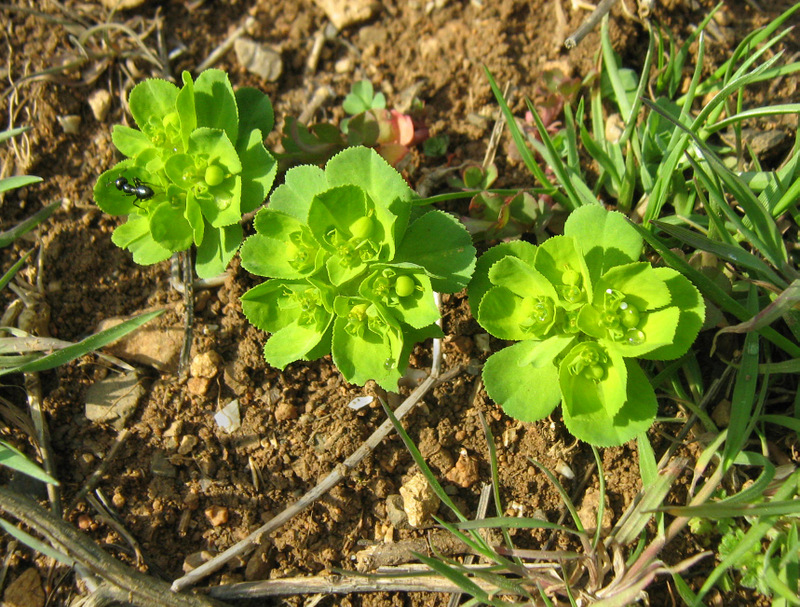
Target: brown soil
296,425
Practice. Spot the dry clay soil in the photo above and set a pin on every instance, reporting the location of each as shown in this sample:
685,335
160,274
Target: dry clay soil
181,485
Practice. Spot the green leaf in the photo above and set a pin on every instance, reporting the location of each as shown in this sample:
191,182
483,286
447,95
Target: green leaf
659,329
180,171
130,142
135,236
636,415
527,393
605,237
734,253
522,146
217,249
367,343
12,271
194,216
593,380
108,197
36,544
212,146
187,111
687,299
298,313
255,114
440,244
362,98
506,315
337,209
151,102
480,282
342,221
16,460
300,185
221,203
275,304
639,282
282,248
215,103
365,168
520,278
17,181
295,342
521,306
170,228
259,169
560,261
7,134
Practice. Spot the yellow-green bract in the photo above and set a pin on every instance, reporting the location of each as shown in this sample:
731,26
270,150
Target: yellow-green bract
353,266
199,149
582,308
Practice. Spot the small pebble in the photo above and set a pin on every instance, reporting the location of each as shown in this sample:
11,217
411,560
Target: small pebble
198,386
70,123
259,59
465,472
343,66
201,300
188,443
118,500
217,515
419,500
229,417
100,102
206,364
285,411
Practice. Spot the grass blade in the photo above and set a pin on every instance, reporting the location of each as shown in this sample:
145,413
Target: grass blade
93,342
15,459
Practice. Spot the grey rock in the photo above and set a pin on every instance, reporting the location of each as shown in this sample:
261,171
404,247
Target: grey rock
113,400
258,59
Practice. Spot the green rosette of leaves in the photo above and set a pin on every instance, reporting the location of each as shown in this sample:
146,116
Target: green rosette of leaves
200,151
353,266
582,309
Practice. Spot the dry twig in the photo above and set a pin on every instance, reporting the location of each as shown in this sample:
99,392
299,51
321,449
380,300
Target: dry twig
121,582
340,585
325,485
589,24
95,477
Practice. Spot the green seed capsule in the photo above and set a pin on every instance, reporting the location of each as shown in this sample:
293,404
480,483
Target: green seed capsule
361,227
214,175
630,316
404,286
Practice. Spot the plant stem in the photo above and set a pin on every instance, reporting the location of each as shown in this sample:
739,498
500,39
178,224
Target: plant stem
188,302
